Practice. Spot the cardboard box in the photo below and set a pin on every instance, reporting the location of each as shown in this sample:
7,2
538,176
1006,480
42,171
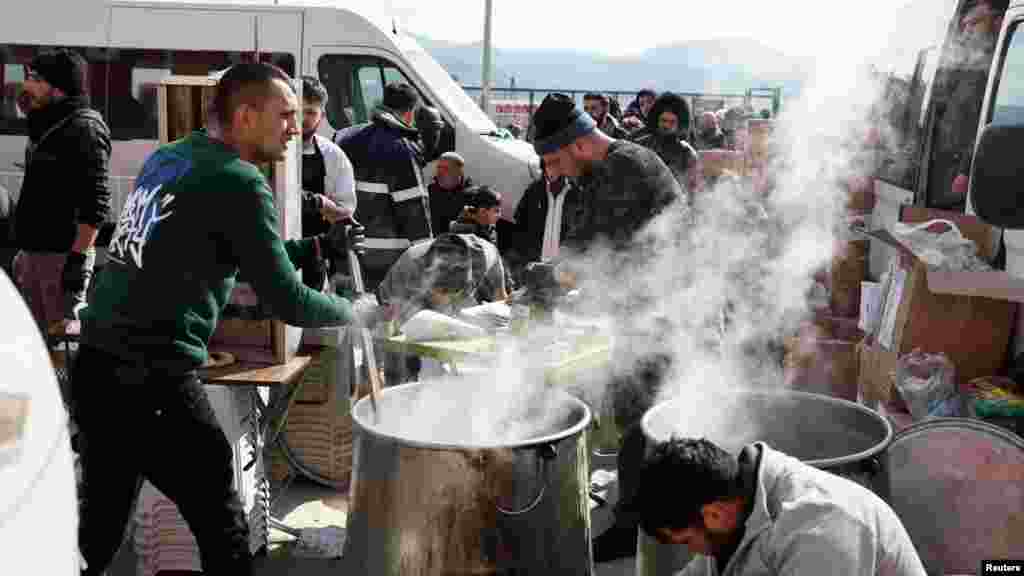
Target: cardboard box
969,316
823,357
848,270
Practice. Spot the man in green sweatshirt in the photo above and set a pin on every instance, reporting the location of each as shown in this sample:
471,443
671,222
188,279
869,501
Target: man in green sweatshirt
201,213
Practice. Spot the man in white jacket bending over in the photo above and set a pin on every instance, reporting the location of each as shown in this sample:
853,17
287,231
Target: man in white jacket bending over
764,512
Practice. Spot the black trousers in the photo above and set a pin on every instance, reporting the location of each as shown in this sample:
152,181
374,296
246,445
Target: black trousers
138,424
633,395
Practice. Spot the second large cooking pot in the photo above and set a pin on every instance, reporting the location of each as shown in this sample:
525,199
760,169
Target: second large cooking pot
842,437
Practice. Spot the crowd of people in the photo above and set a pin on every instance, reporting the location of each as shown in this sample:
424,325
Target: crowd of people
203,215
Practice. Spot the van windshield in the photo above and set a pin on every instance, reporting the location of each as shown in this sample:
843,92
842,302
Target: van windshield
460,104
1008,106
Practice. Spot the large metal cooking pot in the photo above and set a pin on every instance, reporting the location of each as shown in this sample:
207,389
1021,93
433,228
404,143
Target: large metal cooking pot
830,433
956,483
422,508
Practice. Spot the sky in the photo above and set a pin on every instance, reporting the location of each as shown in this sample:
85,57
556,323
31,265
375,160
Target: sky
808,28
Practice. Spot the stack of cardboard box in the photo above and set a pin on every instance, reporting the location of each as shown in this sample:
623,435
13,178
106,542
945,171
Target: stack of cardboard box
966,315
823,356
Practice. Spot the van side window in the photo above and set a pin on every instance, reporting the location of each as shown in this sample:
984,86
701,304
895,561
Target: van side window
122,83
13,59
1008,107
134,76
355,86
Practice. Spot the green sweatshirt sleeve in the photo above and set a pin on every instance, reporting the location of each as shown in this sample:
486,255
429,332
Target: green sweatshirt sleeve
265,260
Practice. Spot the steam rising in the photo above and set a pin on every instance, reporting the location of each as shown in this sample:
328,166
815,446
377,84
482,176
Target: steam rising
714,284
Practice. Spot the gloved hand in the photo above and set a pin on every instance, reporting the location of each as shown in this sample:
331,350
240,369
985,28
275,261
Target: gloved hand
314,273
342,237
311,203
75,276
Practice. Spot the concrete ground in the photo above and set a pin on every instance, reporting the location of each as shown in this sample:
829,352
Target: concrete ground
308,505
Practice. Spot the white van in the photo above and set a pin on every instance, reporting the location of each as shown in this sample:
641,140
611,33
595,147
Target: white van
131,45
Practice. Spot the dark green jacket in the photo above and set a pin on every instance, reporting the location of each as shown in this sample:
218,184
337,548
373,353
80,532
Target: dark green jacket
198,217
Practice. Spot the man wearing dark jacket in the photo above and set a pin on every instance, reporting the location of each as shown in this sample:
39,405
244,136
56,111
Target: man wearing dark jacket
625,184
392,202
65,195
448,191
201,214
667,123
480,218
549,216
597,105
625,187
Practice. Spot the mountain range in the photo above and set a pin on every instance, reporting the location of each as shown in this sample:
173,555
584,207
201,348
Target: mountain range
725,65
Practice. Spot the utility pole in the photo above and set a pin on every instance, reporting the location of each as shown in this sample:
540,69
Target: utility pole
485,84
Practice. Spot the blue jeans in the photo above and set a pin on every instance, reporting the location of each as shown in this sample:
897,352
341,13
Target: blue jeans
140,424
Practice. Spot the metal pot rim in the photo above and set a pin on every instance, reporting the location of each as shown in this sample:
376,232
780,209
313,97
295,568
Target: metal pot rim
873,451
569,432
949,423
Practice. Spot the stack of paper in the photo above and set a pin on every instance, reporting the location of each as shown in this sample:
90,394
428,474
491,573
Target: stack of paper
163,541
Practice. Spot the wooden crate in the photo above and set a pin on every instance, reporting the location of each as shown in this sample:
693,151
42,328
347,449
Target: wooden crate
319,427
184,104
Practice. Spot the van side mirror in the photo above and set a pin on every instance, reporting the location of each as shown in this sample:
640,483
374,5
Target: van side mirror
997,181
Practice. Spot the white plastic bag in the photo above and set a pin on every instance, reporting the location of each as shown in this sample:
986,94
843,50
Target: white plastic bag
948,250
927,383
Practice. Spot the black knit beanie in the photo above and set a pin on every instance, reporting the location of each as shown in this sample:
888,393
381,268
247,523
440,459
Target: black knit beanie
63,69
558,122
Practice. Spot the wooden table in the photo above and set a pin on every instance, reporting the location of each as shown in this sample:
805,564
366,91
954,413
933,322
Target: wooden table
254,374
285,380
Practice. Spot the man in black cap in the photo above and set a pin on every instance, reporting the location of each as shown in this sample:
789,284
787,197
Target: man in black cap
624,186
392,200
65,195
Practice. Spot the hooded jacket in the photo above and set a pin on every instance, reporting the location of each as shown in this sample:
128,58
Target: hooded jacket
408,283
672,148
465,224
66,180
392,202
